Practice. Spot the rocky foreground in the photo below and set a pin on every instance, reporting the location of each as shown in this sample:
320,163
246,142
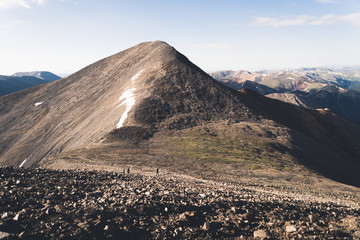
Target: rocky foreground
46,204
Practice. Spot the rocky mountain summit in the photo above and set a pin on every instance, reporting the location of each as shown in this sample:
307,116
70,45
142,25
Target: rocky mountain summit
46,204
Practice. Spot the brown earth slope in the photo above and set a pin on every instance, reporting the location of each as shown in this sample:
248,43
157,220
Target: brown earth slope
168,91
153,92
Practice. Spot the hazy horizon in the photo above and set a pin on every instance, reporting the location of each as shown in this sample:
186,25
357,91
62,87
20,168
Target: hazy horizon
256,70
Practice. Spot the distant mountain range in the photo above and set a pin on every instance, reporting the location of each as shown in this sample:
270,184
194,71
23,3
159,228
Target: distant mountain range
303,79
22,80
333,89
149,105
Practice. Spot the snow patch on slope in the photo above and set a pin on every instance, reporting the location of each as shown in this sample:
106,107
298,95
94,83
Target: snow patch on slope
38,103
23,162
136,75
128,99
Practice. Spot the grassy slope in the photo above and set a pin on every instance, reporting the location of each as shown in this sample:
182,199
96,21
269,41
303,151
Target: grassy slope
216,151
251,152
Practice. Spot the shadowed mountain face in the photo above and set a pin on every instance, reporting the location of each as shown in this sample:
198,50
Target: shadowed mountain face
151,90
19,81
344,102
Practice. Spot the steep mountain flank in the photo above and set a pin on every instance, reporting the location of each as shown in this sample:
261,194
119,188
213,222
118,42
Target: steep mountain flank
343,102
342,138
293,98
150,85
150,104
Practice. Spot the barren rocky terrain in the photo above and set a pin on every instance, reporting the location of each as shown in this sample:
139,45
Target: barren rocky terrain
233,164
70,204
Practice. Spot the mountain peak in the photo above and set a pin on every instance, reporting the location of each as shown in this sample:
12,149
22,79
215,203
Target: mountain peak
157,48
147,91
150,86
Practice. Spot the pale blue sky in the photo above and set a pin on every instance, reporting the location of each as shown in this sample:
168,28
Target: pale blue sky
62,36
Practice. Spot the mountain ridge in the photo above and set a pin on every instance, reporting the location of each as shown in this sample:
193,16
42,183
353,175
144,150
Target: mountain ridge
63,91
153,91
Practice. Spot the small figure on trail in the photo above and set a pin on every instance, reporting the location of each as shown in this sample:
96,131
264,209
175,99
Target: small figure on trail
128,170
123,170
157,171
